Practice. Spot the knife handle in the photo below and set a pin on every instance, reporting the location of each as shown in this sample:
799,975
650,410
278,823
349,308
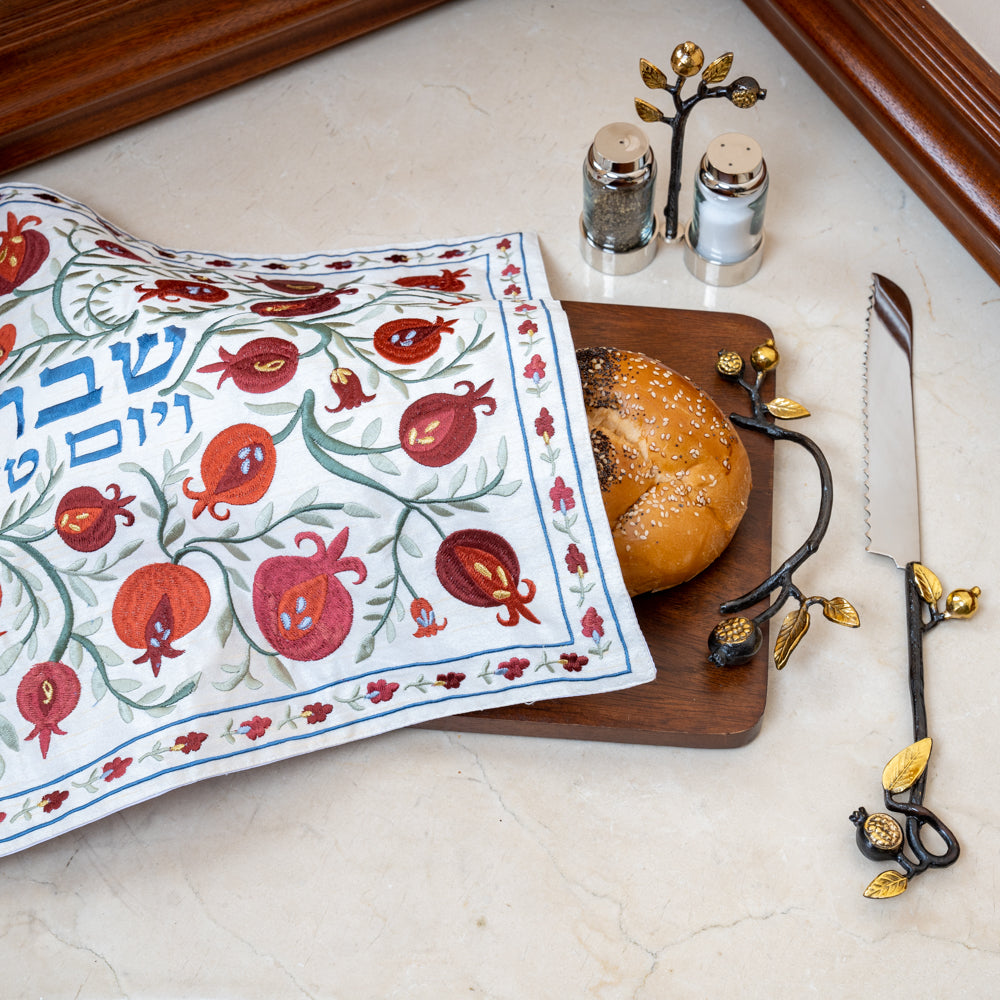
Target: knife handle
879,836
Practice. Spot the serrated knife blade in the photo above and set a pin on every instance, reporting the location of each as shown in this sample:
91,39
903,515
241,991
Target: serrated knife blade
893,504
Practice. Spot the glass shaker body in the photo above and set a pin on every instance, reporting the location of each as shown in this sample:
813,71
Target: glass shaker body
725,237
618,224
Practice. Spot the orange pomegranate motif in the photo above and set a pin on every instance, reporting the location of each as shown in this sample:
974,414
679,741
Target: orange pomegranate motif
237,468
157,605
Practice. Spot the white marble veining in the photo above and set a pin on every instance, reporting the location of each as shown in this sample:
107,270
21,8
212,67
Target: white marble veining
429,865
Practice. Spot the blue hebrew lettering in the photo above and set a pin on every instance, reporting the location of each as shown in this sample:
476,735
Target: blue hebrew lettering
108,427
139,417
135,379
160,409
29,456
180,399
69,407
14,395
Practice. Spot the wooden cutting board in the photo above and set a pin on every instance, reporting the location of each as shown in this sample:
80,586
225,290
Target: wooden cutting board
691,702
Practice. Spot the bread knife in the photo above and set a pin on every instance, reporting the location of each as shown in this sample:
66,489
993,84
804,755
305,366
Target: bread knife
893,515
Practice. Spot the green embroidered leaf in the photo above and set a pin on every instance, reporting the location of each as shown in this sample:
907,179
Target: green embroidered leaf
390,630
506,489
112,659
174,532
481,473
457,480
272,542
238,580
365,649
97,685
190,450
224,625
436,508
473,505
502,453
89,628
279,671
383,464
307,498
409,546
359,510
380,544
8,734
197,390
429,487
314,517
83,591
264,517
125,712
371,433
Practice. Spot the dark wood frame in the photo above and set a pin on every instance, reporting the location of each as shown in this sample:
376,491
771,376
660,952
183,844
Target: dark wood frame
910,83
75,71
918,91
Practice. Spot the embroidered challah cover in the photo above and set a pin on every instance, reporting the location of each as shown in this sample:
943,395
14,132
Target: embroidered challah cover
256,506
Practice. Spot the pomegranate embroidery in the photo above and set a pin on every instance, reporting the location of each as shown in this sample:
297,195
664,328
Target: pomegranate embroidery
436,429
237,468
301,307
8,334
301,607
263,365
480,568
291,286
406,341
85,520
48,692
173,290
347,386
22,251
156,606
446,281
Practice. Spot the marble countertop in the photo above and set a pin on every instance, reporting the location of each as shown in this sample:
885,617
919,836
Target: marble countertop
427,864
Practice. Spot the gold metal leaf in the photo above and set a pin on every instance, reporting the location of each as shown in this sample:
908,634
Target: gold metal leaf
795,625
786,409
886,885
841,611
718,69
907,766
652,77
648,112
927,583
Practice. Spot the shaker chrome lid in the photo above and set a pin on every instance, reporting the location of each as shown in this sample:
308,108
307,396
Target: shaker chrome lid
621,148
733,164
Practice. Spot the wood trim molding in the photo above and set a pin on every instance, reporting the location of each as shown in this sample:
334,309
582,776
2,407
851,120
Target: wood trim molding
75,71
918,91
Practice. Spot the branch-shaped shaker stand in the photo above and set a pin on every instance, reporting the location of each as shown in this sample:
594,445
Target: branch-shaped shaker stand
686,61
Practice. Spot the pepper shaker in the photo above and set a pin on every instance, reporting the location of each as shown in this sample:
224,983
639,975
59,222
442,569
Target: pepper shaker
618,224
725,238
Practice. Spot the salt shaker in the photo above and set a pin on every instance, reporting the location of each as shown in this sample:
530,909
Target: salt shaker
725,238
618,224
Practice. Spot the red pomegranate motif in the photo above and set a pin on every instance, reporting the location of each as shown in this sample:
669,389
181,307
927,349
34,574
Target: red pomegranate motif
237,468
173,290
290,286
303,610
480,568
48,692
117,250
436,429
446,281
301,307
8,334
22,251
406,341
85,519
157,605
263,365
